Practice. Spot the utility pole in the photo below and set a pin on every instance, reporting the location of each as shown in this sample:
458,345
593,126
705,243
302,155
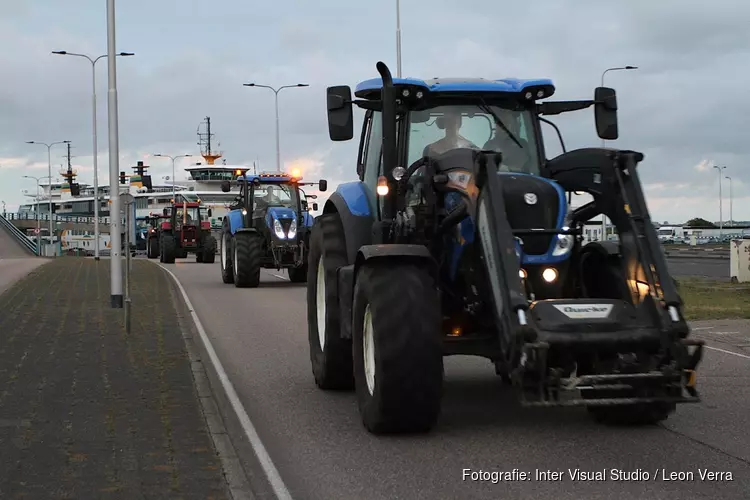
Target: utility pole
114,163
49,173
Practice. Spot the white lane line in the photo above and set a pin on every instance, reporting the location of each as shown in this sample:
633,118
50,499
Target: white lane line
279,276
727,352
272,473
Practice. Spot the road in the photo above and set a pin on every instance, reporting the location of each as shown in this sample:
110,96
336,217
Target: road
322,451
704,268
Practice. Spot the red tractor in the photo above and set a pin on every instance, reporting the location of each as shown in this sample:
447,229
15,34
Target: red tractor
186,230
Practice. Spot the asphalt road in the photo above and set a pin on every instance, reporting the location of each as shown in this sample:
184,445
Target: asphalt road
322,451
703,268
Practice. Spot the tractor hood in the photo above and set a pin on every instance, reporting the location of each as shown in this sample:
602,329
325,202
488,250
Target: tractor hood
279,213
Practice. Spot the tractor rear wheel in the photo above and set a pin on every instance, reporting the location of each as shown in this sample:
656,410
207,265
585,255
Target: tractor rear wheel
227,271
330,355
398,352
247,256
209,250
168,248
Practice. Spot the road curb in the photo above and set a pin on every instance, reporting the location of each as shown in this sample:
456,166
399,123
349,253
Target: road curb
248,468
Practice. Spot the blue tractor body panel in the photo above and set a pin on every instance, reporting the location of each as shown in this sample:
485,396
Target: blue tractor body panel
355,196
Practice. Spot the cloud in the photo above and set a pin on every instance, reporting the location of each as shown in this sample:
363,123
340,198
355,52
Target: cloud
680,107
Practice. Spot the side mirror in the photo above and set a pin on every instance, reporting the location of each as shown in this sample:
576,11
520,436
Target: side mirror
225,187
323,185
340,116
315,206
605,113
209,212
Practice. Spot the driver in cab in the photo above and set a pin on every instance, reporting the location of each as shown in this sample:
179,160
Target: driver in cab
270,198
451,122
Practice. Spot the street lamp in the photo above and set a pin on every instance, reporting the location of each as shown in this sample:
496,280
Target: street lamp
731,220
276,92
173,158
49,173
96,148
38,229
398,38
619,68
721,215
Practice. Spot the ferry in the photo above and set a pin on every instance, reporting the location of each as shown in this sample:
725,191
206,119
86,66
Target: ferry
75,201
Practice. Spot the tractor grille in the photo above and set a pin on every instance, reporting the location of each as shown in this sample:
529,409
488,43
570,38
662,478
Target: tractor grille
521,215
285,223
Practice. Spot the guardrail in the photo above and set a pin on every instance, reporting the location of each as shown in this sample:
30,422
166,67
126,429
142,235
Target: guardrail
57,218
18,235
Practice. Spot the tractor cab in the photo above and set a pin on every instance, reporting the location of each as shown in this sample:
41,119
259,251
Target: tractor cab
188,220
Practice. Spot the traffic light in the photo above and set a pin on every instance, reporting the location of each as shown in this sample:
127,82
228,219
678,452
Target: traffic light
122,177
75,189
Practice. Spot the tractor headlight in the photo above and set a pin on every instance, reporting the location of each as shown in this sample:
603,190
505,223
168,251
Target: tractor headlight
278,229
292,229
563,243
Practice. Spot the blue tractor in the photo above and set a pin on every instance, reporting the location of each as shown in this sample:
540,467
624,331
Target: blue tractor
459,238
268,227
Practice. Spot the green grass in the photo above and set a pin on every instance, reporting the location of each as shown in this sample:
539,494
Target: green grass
711,299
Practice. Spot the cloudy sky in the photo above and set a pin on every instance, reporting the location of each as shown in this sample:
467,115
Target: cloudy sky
684,107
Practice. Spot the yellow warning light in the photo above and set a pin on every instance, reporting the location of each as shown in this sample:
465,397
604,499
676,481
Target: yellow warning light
238,172
456,331
382,188
296,172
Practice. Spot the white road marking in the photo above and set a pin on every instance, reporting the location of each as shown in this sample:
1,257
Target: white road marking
280,277
272,473
727,352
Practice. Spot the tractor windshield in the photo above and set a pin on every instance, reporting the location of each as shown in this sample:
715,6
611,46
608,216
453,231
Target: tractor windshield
275,195
188,217
436,130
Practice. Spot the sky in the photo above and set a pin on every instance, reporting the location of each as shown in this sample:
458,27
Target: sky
683,107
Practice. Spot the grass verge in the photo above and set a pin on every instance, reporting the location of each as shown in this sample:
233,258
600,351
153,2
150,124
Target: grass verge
707,299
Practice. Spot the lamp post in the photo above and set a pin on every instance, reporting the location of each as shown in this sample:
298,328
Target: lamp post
721,215
96,147
49,173
398,38
276,92
619,68
114,163
38,229
173,158
731,220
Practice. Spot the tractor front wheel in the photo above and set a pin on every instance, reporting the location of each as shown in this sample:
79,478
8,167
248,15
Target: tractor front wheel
298,274
208,251
247,257
152,247
398,356
168,248
227,271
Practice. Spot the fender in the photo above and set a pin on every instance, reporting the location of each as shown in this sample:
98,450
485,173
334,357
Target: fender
235,220
350,202
396,252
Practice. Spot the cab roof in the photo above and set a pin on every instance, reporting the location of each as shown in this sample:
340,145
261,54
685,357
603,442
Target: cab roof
370,89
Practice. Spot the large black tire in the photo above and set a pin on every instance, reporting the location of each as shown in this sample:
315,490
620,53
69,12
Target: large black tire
152,247
330,355
209,250
168,248
227,257
400,305
247,256
298,274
